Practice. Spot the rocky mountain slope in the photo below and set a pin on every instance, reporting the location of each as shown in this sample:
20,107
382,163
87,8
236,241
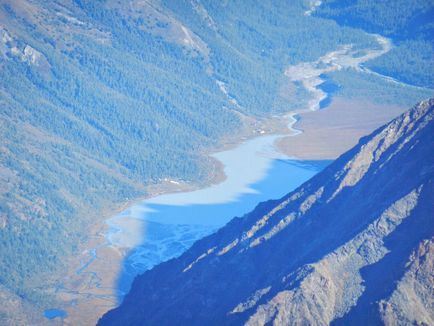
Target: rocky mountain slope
354,245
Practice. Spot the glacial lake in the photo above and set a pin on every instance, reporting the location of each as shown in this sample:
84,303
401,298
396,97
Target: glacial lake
164,227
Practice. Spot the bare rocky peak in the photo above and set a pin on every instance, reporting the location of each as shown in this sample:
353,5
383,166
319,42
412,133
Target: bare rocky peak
352,246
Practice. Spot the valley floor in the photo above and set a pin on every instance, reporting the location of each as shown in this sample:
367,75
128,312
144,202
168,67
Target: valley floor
330,132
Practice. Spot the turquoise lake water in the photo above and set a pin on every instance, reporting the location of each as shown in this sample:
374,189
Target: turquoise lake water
168,230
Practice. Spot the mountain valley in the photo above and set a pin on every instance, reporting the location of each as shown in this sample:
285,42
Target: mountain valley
136,108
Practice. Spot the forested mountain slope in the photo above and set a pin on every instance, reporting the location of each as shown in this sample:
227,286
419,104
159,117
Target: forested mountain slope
408,23
352,246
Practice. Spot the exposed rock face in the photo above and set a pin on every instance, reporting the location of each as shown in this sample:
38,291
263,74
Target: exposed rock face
413,298
354,245
11,47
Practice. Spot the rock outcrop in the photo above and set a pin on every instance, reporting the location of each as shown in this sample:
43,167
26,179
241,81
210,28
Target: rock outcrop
354,245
